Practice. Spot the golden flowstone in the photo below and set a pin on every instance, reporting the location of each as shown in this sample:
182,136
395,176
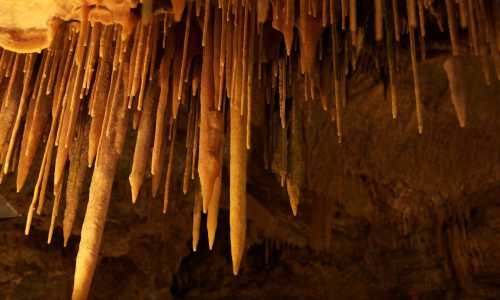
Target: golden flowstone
126,62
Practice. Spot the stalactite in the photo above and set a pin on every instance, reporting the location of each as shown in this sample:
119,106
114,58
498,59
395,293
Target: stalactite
196,219
228,60
473,28
144,68
353,16
496,20
190,132
196,141
91,56
412,19
164,76
309,33
154,47
55,211
76,177
136,62
237,186
236,56
109,151
282,91
335,64
244,61
178,7
10,105
391,63
462,12
296,178
40,187
28,70
184,57
483,45
143,143
282,24
222,59
211,127
452,25
170,167
490,37
99,94
344,9
249,81
57,66
379,27
36,121
224,50
395,15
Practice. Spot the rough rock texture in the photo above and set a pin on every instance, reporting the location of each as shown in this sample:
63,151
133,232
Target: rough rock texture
389,214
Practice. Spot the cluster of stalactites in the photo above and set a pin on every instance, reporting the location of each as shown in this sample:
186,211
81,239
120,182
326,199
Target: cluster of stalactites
221,61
